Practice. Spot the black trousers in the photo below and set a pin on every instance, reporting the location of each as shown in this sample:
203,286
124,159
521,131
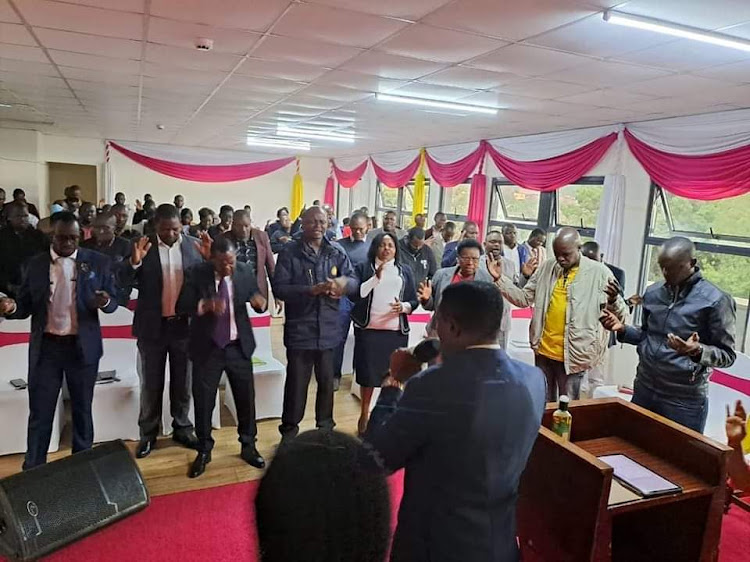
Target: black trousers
206,377
173,343
59,356
300,363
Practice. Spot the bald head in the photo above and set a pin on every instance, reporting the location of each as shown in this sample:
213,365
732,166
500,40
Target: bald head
567,247
677,260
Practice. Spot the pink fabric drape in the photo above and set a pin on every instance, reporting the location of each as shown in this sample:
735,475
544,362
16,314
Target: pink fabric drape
349,178
704,177
552,173
204,173
451,174
398,178
477,201
328,195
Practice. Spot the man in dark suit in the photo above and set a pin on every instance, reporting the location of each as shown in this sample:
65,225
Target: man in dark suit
117,248
253,248
63,291
19,241
157,269
214,295
463,430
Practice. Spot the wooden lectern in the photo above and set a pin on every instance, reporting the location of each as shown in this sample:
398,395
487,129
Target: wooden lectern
564,508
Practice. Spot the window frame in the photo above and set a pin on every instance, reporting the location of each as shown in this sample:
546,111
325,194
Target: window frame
400,212
441,207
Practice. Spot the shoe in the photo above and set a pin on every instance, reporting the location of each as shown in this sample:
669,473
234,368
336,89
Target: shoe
199,465
252,457
336,384
144,448
186,439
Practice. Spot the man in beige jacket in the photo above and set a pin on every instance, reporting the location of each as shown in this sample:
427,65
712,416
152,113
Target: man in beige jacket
568,294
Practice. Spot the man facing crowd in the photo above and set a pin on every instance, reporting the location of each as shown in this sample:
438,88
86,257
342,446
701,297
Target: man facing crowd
463,430
687,329
568,294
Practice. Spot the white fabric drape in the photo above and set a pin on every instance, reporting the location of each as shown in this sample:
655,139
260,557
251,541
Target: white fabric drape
549,145
611,219
697,134
453,152
195,155
394,161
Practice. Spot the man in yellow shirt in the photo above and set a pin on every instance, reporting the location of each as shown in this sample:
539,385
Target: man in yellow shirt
568,294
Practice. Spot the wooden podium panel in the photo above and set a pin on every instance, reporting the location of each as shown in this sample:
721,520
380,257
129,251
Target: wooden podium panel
563,506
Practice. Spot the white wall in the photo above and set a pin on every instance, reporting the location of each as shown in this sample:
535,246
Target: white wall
24,156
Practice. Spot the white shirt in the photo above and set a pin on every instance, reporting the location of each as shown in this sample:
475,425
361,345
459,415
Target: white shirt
515,257
62,312
385,291
171,275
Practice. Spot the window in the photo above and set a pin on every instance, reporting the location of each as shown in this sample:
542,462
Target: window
721,232
578,204
454,202
400,201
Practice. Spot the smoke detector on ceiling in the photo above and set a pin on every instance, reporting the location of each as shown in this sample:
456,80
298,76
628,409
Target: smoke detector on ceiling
204,44
160,127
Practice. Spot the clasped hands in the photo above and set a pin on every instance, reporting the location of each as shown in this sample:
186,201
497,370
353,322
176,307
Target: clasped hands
217,306
334,288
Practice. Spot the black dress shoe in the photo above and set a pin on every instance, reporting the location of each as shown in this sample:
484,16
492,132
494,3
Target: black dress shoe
199,465
144,448
186,439
252,457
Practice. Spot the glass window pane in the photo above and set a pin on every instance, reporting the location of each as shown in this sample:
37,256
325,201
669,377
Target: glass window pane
578,205
729,217
521,204
388,197
456,199
729,273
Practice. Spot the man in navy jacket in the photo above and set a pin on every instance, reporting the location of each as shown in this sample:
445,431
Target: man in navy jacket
62,290
311,276
463,430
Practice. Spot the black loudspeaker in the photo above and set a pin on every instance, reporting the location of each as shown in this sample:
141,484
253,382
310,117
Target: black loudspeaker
54,504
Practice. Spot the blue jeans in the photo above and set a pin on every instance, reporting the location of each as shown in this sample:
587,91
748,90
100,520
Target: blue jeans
686,411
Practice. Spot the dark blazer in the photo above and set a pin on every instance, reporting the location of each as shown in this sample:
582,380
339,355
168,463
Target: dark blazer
119,252
464,431
92,274
619,274
266,264
15,251
361,312
422,262
147,323
200,283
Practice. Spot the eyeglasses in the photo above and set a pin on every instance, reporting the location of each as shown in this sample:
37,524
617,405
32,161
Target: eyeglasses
468,259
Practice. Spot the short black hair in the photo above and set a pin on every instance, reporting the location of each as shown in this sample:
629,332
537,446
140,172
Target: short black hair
222,245
185,211
469,243
150,204
468,223
372,252
18,191
241,214
166,211
476,306
537,232
64,217
205,211
319,501
439,214
358,215
281,210
450,224
507,227
416,233
345,221
591,247
226,209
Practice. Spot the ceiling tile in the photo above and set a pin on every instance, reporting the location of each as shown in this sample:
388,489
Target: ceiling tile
184,34
431,91
441,45
22,52
595,37
15,34
272,85
83,19
37,68
474,78
685,55
610,97
123,5
365,82
288,70
544,89
187,58
307,52
176,77
390,66
335,93
407,9
82,43
676,86
528,61
257,15
7,14
80,60
607,74
507,19
321,23
695,13
87,75
738,72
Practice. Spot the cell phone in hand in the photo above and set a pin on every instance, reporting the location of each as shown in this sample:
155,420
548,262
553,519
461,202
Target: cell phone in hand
19,384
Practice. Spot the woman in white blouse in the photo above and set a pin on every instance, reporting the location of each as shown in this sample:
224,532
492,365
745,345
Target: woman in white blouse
386,297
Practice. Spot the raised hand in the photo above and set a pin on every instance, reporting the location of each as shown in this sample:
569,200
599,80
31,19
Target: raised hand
138,205
424,291
530,266
7,305
495,267
689,347
611,322
140,249
258,302
612,289
379,271
204,247
736,425
101,298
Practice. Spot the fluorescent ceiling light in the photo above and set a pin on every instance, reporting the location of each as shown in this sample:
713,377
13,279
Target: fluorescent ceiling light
676,30
314,134
278,143
435,103
5,105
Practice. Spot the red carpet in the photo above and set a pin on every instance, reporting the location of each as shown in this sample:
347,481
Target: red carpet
218,525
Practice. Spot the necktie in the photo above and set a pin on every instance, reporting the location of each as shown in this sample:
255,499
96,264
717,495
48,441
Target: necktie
222,329
62,298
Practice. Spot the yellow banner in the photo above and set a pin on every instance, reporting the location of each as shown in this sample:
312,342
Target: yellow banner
419,192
